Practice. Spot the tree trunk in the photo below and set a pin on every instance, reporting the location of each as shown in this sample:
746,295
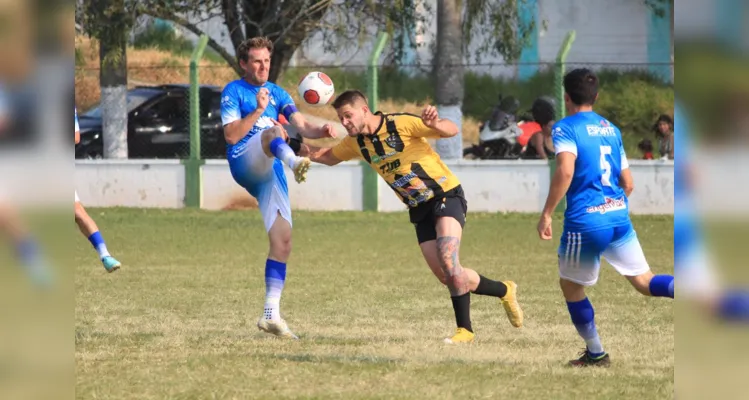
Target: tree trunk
113,82
448,73
279,60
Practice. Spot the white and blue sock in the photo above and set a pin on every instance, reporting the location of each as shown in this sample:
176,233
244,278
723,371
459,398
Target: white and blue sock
662,286
31,258
583,316
98,242
734,306
283,152
275,276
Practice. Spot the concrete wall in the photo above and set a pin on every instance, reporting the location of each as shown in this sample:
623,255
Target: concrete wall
491,186
327,188
504,186
130,183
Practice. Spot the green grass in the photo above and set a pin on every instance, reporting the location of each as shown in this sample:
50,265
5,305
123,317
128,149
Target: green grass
178,321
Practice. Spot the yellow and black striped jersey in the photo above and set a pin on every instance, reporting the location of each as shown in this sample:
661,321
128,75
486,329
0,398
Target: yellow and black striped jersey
401,155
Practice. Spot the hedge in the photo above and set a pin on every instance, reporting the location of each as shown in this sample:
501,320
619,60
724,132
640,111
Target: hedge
632,100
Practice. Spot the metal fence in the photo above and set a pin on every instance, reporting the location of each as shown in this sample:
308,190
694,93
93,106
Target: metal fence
159,120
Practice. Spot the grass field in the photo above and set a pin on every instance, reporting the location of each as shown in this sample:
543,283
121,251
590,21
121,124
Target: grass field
178,321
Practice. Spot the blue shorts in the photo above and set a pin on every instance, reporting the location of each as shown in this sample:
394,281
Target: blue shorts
580,254
263,177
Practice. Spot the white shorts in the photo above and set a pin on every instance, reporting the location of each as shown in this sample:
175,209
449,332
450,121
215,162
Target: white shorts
263,177
580,254
77,200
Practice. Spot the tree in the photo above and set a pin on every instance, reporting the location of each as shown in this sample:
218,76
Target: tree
507,37
288,23
110,21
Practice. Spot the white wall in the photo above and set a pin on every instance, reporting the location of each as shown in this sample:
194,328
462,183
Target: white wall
326,188
130,183
654,187
607,31
492,186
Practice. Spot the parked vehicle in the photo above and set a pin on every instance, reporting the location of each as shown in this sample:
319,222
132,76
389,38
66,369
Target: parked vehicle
158,124
498,135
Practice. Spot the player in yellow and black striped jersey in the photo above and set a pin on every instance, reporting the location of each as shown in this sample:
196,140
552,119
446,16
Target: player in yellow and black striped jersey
395,145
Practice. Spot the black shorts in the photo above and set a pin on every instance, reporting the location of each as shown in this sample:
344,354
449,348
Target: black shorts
424,216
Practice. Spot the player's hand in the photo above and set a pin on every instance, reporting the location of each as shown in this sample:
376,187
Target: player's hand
544,227
327,131
304,151
430,116
263,96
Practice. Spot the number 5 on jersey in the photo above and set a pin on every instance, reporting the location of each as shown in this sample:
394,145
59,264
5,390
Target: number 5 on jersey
605,166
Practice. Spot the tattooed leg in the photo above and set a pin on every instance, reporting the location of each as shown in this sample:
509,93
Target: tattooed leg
457,278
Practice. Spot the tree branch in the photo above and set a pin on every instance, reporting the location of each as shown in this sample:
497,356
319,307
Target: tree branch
231,60
229,8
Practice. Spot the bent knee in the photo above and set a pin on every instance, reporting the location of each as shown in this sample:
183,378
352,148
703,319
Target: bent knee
641,283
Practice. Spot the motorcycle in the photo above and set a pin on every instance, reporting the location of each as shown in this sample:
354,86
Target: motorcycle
498,136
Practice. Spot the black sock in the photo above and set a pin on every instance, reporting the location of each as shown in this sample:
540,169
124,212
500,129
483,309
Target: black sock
488,287
462,307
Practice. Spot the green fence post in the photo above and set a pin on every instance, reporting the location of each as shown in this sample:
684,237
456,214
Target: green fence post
559,71
193,165
370,178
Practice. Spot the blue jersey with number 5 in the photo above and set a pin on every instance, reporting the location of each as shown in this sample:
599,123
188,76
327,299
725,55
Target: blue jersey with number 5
594,199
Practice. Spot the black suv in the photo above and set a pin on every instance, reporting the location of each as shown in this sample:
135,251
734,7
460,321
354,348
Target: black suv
158,124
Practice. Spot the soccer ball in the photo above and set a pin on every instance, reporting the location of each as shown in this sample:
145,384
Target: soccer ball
316,89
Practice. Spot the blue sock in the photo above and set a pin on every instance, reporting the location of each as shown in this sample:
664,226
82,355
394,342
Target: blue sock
583,316
31,258
662,286
28,251
98,242
275,276
282,151
734,306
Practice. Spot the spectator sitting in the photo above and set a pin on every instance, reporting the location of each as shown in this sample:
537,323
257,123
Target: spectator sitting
646,147
664,132
540,145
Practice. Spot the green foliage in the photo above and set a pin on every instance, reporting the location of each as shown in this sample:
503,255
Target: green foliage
165,38
632,100
507,33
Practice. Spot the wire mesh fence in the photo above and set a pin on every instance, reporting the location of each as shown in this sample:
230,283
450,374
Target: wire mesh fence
159,119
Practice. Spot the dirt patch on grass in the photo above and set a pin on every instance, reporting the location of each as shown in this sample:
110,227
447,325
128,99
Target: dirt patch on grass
241,202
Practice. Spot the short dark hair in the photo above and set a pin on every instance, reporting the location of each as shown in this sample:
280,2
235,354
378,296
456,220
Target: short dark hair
645,145
349,97
543,111
258,42
581,85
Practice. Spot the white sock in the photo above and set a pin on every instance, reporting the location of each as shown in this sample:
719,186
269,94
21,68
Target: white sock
286,155
272,308
102,250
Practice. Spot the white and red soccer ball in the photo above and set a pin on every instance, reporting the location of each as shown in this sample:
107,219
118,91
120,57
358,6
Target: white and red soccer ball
316,89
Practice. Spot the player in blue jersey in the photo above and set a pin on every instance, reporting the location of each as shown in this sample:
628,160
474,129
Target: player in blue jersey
593,172
693,265
257,148
88,227
11,223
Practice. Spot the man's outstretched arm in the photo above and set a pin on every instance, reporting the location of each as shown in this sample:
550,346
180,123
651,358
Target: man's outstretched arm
309,130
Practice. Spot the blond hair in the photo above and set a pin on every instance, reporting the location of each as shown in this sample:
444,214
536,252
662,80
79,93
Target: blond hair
258,42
